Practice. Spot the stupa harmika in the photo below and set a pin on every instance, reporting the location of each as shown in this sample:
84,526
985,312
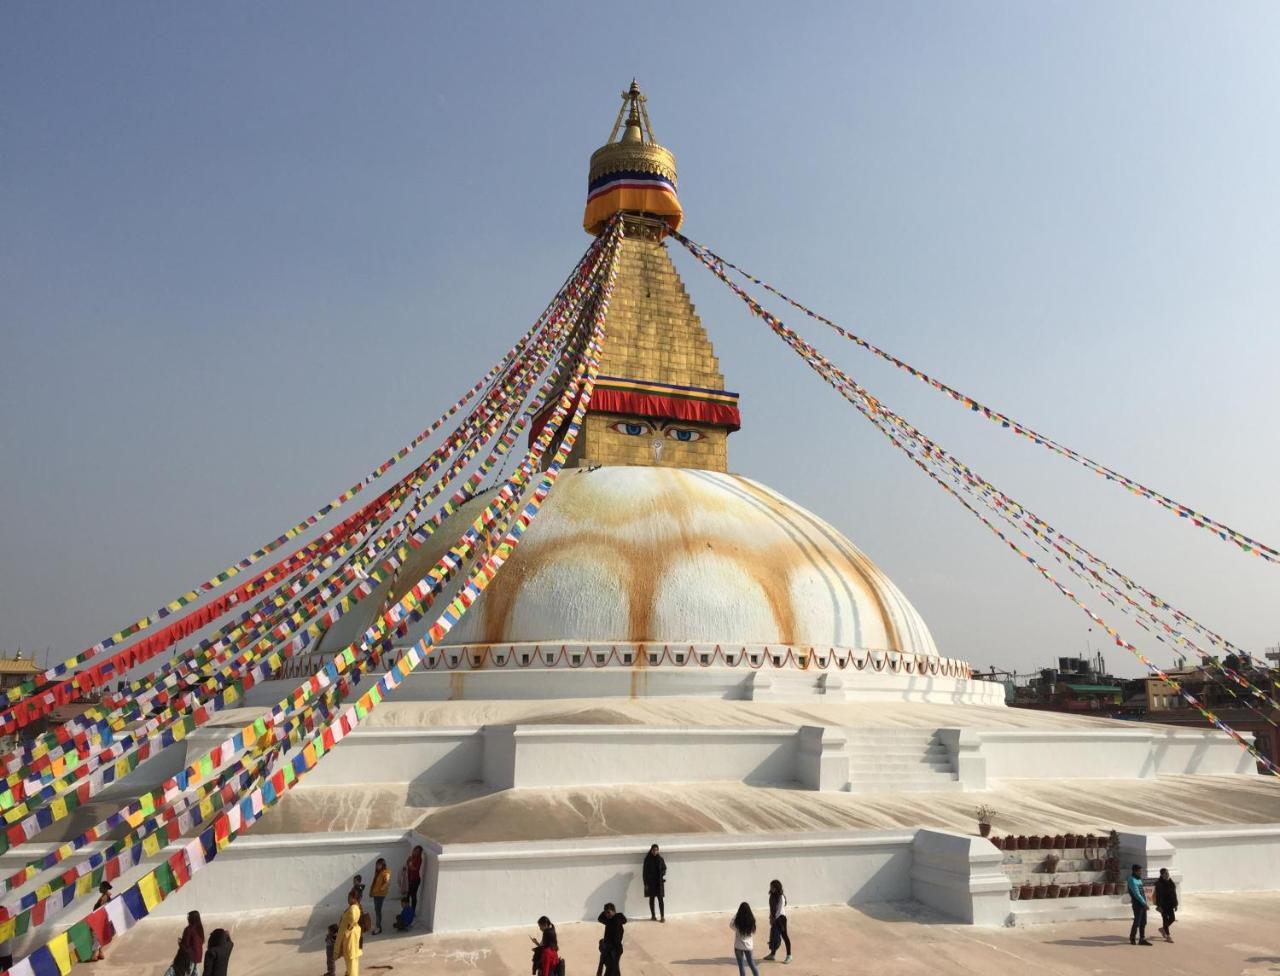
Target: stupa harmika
676,653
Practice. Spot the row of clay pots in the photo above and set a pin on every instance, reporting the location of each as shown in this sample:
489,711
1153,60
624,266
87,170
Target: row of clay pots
1027,892
1061,842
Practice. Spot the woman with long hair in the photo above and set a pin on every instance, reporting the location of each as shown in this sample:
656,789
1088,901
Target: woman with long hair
777,921
546,954
193,941
744,930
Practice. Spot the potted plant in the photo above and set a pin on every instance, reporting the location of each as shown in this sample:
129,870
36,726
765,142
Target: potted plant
1014,892
1097,888
1027,891
1022,842
1039,891
1033,843
1051,890
984,814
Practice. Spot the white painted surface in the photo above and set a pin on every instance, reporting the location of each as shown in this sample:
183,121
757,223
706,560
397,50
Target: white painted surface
1138,753
496,885
1228,858
960,876
568,755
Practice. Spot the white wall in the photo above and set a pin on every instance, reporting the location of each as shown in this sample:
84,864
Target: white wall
960,876
566,755
497,885
1227,858
1140,752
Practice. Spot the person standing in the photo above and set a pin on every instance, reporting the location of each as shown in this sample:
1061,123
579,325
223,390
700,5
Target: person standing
546,954
414,871
778,933
654,875
1166,902
611,945
378,890
744,930
192,939
218,953
1138,899
104,896
347,943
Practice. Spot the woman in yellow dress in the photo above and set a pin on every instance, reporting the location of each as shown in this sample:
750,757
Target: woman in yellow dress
347,944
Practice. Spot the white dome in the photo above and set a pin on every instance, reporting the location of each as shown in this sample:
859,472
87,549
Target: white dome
673,556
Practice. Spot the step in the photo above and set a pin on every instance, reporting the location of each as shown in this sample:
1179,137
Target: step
1041,911
906,765
921,754
940,785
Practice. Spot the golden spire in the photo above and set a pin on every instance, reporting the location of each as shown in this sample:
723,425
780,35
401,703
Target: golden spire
631,174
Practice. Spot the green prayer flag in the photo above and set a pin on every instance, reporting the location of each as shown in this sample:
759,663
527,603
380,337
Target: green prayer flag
80,936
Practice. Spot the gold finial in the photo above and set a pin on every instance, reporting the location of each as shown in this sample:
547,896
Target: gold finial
638,128
646,172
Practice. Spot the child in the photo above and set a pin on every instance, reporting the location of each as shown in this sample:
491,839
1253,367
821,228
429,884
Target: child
330,942
405,918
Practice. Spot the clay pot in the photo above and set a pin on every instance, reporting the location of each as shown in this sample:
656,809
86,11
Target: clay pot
1038,891
1059,843
1113,888
984,829
1051,890
1033,843
1079,891
1027,892
1097,888
1020,842
1071,841
1046,843
1064,891
1014,892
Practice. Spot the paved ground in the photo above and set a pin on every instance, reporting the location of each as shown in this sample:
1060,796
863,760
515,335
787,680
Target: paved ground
1217,935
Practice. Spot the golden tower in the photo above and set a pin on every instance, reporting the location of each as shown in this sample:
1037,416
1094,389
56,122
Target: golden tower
660,398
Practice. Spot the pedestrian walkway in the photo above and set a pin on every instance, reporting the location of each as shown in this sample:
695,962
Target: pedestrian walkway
1217,935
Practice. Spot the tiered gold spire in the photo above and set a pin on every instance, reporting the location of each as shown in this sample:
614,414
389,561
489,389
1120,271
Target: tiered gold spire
660,398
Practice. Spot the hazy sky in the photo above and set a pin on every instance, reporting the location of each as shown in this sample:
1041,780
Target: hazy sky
249,250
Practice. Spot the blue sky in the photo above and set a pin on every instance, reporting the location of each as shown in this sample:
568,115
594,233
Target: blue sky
248,250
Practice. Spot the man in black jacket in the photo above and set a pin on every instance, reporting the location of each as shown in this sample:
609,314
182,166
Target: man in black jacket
1166,902
655,882
611,945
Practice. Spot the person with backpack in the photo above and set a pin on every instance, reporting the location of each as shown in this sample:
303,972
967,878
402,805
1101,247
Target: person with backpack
546,954
778,933
654,874
611,945
1166,902
744,930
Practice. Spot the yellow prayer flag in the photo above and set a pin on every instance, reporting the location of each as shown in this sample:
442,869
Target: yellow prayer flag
59,807
149,890
151,844
61,952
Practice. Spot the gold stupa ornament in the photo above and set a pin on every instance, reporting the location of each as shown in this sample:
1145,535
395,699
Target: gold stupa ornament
659,399
631,173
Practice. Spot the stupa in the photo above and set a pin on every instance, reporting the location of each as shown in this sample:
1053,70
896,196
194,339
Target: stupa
678,654
652,569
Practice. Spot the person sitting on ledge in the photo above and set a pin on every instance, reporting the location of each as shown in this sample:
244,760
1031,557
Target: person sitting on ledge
405,918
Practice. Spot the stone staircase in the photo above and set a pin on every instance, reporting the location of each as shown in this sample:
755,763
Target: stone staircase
1063,901
898,761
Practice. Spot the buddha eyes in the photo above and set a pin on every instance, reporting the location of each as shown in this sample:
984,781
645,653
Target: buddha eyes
632,429
684,434
639,428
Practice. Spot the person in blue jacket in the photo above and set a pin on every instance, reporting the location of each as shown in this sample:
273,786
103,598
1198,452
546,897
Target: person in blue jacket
1138,898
